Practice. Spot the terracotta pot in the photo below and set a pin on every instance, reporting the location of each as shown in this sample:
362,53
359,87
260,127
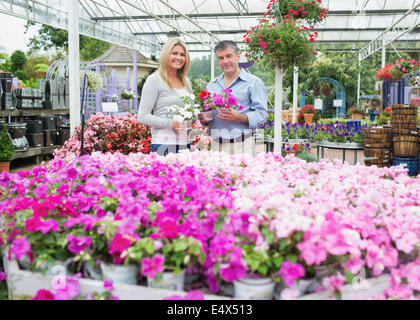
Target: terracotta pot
357,116
4,166
308,117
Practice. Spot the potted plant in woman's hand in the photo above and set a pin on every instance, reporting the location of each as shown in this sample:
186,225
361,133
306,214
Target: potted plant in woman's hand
6,149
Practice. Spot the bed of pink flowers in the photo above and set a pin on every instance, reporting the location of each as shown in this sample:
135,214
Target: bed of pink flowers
225,217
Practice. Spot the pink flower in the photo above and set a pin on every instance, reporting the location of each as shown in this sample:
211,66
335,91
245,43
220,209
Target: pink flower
236,268
291,271
20,247
151,267
168,228
118,244
69,291
108,285
2,276
48,225
78,244
313,252
33,224
41,191
334,283
43,295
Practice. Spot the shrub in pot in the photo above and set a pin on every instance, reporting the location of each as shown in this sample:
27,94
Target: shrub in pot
6,149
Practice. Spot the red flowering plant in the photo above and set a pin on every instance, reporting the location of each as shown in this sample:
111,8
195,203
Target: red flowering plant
309,108
281,45
384,73
204,100
281,36
310,11
112,134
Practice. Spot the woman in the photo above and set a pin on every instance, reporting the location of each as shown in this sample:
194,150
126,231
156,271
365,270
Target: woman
166,87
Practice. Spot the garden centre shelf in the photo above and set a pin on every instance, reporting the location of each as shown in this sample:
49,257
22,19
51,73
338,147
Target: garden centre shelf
32,152
31,113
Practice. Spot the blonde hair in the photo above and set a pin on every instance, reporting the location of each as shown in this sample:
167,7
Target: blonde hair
164,62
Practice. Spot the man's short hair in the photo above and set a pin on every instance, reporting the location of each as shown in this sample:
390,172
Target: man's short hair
222,45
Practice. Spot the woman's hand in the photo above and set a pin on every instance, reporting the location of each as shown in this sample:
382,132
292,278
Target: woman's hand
179,126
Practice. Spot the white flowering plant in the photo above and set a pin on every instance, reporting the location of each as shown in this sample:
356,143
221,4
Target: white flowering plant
188,112
95,81
127,94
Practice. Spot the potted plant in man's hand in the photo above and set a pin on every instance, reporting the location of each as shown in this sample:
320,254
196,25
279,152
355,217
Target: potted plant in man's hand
6,149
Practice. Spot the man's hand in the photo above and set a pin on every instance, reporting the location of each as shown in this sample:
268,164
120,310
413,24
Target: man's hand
231,115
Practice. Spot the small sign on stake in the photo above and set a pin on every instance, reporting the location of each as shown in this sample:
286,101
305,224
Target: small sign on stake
318,104
338,103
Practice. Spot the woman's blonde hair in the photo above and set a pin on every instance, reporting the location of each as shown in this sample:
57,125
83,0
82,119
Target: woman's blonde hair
164,62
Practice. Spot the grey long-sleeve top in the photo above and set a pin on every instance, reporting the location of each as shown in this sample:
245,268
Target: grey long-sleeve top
156,97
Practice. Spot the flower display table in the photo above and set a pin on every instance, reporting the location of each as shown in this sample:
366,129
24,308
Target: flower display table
23,284
343,146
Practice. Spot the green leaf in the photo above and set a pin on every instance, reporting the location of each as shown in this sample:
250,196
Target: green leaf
349,276
292,258
278,261
180,245
158,278
262,270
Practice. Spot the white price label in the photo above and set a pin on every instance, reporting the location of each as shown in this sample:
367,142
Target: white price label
338,103
109,107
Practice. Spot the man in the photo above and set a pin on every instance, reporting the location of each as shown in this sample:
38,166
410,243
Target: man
231,130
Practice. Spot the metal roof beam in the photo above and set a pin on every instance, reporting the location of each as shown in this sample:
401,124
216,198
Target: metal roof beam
160,20
250,14
45,14
383,40
245,30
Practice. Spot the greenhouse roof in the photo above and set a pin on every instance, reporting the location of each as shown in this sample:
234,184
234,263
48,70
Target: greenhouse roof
145,24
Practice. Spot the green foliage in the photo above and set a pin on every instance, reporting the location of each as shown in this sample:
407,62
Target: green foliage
30,83
7,66
18,60
201,68
6,145
21,75
49,38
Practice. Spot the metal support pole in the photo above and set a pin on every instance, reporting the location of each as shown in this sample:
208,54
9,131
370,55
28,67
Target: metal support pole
98,94
74,64
135,81
278,141
295,91
212,59
358,81
383,52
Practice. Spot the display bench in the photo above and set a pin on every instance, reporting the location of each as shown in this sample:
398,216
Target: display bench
32,113
340,146
23,284
39,152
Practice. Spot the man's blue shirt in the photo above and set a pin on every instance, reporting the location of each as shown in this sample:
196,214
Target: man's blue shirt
252,95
